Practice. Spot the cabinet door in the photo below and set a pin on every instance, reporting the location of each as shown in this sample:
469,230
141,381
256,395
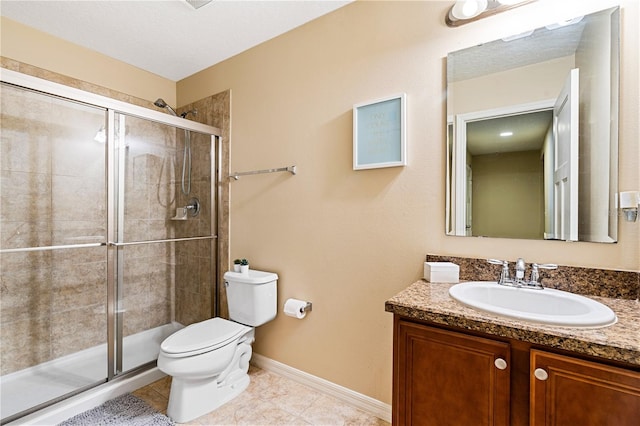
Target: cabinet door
568,391
446,378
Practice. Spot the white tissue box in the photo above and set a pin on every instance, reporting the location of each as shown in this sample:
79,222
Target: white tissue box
441,272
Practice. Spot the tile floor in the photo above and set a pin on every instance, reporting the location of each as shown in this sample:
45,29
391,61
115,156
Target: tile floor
270,399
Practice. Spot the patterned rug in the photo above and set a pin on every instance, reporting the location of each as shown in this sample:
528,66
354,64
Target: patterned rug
125,410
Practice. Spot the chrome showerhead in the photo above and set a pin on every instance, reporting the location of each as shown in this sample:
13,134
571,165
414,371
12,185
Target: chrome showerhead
186,113
160,103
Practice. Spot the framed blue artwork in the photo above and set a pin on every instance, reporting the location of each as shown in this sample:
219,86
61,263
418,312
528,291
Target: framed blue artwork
379,133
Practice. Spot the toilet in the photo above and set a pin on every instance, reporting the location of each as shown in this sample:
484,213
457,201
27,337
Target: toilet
209,360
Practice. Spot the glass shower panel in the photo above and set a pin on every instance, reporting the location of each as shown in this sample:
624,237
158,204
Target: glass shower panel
53,261
164,169
161,170
162,287
53,171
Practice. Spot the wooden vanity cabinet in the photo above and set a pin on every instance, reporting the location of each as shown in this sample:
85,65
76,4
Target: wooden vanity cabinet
448,377
570,391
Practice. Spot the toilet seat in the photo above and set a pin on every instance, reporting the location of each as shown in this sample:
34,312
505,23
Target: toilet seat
202,337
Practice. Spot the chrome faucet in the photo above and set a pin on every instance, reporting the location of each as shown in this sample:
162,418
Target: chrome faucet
520,268
518,280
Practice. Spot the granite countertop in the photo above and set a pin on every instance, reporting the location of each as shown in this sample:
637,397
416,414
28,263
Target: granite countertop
620,342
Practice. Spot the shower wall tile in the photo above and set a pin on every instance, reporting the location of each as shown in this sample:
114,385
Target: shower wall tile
67,232
10,262
77,329
162,203
135,252
215,111
201,156
136,201
24,343
136,230
187,274
148,288
79,156
159,314
24,293
82,285
163,166
21,151
16,234
159,229
78,198
192,307
25,197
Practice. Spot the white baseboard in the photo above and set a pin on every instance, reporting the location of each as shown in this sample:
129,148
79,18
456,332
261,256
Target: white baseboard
365,403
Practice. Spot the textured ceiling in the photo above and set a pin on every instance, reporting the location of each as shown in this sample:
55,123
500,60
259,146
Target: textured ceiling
167,37
541,46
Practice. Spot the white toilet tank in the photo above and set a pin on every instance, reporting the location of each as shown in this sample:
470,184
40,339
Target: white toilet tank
252,297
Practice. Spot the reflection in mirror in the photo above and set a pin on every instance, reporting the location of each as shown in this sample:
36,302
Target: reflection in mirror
532,134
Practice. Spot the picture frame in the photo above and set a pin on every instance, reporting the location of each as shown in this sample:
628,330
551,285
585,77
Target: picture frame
379,133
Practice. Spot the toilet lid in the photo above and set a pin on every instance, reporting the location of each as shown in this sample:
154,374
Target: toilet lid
203,337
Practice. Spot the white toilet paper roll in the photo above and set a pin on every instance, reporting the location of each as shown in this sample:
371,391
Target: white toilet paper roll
295,308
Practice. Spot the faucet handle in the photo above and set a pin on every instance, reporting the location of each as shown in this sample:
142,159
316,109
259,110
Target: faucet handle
545,265
535,275
504,275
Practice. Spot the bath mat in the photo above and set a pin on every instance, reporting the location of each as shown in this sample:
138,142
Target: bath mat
125,410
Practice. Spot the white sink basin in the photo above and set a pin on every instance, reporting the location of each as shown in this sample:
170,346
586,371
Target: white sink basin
547,306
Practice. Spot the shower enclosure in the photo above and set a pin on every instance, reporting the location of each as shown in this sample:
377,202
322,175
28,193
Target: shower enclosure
103,253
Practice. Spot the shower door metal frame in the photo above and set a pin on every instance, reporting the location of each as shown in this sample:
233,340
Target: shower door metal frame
113,243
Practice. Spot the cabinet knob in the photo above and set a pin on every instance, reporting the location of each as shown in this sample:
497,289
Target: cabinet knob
500,363
541,374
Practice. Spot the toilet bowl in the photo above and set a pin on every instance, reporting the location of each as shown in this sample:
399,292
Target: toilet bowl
209,360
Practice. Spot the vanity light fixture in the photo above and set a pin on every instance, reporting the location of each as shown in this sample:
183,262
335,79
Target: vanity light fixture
465,11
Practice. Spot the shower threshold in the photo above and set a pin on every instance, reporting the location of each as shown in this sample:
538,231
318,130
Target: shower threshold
39,384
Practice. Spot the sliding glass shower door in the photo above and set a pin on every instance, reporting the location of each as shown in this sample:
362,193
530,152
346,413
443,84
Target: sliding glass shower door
107,243
162,233
53,228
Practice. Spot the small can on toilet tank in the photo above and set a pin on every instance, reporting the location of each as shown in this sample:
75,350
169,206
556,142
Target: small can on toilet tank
252,297
441,272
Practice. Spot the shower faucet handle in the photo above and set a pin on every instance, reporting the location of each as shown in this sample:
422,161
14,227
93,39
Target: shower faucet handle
193,206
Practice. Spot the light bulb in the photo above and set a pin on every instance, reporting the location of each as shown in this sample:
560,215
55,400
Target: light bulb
470,8
466,9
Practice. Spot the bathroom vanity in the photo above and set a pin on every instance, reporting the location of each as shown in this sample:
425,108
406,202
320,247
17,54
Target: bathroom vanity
453,365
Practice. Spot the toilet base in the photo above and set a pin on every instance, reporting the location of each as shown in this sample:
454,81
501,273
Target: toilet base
191,398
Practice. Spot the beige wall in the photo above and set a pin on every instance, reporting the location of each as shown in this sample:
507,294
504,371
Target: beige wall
505,88
29,46
349,240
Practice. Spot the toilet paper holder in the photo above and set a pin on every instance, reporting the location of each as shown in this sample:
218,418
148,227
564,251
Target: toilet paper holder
297,308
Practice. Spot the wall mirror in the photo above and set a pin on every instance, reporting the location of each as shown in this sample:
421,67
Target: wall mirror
532,133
